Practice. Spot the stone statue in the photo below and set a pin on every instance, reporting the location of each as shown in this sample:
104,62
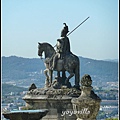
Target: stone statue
60,60
63,46
58,96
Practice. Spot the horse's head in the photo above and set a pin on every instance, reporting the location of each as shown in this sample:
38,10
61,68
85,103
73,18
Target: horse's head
46,48
40,49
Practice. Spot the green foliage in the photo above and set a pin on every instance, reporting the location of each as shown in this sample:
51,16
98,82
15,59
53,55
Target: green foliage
111,119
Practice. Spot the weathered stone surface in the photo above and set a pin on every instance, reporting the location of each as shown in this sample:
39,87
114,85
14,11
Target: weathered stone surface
86,80
54,93
33,86
68,62
65,103
86,106
88,103
55,100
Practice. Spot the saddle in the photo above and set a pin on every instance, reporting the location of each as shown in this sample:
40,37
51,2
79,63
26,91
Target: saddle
59,64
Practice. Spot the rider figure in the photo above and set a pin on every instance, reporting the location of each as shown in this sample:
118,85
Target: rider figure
63,46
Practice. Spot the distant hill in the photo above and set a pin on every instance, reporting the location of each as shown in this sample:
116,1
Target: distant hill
10,88
14,68
104,70
18,68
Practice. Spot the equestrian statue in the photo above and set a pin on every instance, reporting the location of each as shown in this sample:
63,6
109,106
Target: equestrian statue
60,60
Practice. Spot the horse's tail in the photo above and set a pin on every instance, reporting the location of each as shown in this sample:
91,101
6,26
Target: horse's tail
77,73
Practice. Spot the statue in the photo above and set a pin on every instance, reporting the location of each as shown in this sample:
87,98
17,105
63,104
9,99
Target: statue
60,60
63,46
82,102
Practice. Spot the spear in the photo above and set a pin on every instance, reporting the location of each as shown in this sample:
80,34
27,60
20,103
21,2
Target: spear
77,26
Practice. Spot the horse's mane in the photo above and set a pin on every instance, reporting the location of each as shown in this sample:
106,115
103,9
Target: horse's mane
45,43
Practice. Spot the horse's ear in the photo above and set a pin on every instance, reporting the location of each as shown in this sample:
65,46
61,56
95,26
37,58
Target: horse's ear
39,43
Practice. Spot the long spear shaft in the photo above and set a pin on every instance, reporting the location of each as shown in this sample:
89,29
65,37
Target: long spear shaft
77,26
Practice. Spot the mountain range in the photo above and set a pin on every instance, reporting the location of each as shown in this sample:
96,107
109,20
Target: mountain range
18,68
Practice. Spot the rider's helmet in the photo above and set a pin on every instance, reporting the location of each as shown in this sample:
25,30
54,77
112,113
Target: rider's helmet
64,30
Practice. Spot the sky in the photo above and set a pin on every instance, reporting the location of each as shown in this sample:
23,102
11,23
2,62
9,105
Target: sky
27,22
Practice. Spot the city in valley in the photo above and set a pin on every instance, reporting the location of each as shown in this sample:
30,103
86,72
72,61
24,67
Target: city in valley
107,91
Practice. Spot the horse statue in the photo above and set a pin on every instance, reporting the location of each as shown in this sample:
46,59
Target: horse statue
70,63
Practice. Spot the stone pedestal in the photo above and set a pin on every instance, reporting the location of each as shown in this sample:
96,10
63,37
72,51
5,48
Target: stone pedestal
25,114
57,101
87,104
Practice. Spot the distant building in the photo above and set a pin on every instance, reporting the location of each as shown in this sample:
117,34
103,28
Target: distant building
109,108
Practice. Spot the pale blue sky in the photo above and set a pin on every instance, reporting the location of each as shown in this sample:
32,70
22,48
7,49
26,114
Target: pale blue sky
27,22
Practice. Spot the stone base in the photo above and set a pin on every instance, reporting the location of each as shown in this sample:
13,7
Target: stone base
57,101
88,106
25,114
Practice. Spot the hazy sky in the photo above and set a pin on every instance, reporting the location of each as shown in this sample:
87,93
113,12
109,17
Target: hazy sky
27,22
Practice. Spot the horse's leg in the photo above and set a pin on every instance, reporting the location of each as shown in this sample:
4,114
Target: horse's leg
77,74
69,77
47,77
63,74
63,77
46,71
77,77
50,75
